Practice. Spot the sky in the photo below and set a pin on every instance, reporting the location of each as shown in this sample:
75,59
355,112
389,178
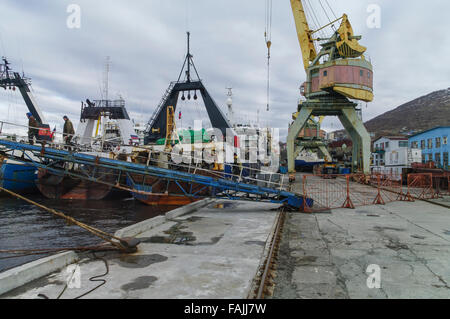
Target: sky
146,42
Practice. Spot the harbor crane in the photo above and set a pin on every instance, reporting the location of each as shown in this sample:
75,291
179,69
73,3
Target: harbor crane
12,80
337,77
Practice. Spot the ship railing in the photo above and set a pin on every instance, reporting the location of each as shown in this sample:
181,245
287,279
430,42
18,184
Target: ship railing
239,173
271,179
19,133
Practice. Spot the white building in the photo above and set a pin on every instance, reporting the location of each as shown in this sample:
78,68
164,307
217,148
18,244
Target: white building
391,154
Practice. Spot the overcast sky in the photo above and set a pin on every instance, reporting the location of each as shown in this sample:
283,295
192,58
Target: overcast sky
146,40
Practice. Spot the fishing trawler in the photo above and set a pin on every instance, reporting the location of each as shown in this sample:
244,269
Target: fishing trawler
16,176
116,139
162,138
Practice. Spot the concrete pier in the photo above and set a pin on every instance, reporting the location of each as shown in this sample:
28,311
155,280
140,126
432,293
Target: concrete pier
333,255
210,252
215,249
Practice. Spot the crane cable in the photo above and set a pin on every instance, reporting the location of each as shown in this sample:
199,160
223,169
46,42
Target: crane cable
315,23
268,38
326,14
331,9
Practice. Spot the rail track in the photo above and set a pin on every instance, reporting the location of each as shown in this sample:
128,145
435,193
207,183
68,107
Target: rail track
264,283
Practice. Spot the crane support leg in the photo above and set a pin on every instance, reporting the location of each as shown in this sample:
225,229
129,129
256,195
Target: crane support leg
325,154
361,139
298,150
294,130
355,139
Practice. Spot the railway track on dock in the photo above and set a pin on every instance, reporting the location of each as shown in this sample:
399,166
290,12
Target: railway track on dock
265,281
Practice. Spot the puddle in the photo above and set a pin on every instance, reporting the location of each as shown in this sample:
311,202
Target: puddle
194,219
139,283
224,205
140,261
213,241
378,228
255,242
176,235
307,259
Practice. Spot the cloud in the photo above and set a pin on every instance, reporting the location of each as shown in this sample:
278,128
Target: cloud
146,43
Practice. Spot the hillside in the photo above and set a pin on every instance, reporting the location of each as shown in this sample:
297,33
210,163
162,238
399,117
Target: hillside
418,115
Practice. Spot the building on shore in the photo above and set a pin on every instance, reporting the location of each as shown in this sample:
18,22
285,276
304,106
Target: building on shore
434,146
391,155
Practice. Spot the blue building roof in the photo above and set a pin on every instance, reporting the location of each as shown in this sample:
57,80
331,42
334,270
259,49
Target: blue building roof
435,128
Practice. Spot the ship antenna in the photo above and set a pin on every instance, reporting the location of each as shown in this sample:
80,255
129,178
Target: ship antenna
106,83
188,73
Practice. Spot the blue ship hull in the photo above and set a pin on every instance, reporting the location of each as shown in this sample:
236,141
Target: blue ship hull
305,164
19,178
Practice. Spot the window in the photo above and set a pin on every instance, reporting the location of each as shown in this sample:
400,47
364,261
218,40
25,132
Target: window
325,73
361,73
387,144
403,144
415,144
368,75
424,160
438,142
422,145
437,158
444,140
445,159
430,157
430,143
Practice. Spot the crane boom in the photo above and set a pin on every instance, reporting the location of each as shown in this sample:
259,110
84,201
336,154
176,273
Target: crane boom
303,33
11,80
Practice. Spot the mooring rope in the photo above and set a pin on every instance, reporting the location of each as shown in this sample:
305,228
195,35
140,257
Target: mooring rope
120,243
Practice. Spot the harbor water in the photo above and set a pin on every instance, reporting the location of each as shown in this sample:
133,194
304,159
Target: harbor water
26,227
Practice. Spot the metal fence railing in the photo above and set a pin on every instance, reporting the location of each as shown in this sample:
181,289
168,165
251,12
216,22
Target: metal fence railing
356,190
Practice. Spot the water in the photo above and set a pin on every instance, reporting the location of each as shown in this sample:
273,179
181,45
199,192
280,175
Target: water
24,226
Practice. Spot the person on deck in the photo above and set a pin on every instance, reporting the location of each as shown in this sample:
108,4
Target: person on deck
68,130
33,131
237,167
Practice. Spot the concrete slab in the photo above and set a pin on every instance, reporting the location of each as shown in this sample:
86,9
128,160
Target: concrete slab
214,252
327,255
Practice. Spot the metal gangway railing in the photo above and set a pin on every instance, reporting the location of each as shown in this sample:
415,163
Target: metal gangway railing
158,108
247,184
